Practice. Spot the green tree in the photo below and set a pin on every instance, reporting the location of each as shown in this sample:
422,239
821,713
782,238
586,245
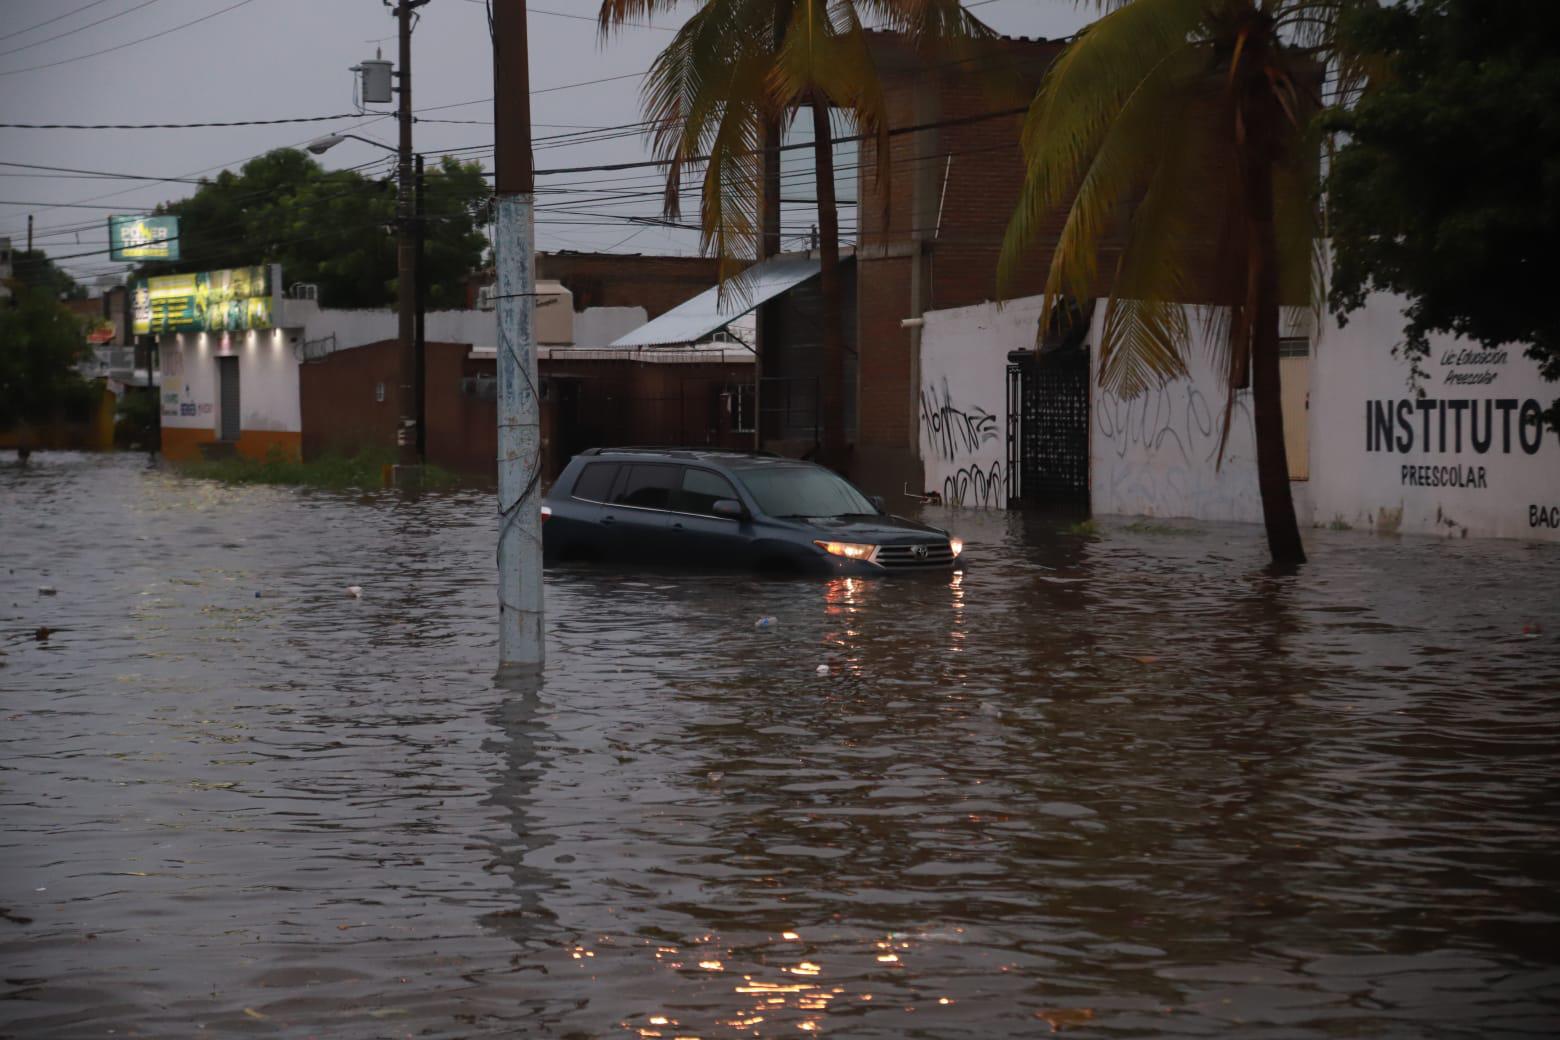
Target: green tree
734,75
40,343
1156,109
334,228
1445,187
33,269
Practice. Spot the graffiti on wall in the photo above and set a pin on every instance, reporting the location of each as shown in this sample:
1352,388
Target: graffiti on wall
1158,454
964,438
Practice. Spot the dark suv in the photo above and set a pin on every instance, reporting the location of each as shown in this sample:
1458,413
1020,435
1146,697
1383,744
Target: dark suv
731,510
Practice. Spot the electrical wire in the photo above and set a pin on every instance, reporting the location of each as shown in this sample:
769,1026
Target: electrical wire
130,43
79,28
177,126
56,18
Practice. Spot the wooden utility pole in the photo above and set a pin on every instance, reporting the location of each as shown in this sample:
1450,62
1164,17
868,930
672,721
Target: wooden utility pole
520,645
407,436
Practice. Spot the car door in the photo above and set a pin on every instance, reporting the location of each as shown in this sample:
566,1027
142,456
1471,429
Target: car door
636,520
700,536
574,530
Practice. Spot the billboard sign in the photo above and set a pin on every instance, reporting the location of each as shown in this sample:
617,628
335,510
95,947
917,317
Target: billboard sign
212,301
143,238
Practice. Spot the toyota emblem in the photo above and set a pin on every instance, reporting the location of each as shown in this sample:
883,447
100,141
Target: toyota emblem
920,552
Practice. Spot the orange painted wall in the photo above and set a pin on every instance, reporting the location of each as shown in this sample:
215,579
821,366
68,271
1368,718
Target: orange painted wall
183,445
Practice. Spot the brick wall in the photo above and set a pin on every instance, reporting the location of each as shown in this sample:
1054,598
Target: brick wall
656,283
587,403
949,193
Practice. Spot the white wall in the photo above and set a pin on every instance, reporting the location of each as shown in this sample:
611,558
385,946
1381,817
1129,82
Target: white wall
555,320
1158,454
599,326
1421,470
267,379
963,405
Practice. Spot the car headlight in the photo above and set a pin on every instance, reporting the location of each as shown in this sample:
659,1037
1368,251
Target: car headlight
850,550
957,545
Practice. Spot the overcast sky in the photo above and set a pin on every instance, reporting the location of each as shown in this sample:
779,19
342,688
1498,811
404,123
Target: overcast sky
271,59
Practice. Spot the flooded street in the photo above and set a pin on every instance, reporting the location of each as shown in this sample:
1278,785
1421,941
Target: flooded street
1116,782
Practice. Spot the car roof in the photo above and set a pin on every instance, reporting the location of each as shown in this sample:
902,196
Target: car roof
717,456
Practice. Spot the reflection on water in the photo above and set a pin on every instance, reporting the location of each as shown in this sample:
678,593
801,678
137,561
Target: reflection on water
1129,784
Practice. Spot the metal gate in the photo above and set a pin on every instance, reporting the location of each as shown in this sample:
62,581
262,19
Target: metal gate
1048,428
227,376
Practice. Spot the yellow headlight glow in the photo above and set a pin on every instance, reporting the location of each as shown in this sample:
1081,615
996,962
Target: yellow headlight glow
850,550
957,545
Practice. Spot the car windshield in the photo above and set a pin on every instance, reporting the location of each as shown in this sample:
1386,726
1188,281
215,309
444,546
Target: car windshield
803,491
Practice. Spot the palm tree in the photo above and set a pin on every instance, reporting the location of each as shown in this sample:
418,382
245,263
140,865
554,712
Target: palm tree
723,90
1181,133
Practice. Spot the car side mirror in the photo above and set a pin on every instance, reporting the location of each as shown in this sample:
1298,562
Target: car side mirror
728,507
878,503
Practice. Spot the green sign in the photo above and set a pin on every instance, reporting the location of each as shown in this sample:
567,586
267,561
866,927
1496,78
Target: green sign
212,301
143,238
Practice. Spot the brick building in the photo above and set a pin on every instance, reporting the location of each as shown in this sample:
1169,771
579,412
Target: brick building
950,190
656,283
590,398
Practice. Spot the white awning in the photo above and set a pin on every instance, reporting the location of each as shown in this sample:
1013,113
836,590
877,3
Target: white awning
706,313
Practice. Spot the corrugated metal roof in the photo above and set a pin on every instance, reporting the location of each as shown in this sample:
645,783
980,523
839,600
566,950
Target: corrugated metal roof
706,313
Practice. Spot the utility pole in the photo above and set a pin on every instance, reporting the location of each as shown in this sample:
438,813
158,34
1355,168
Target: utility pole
520,646
29,232
407,435
420,348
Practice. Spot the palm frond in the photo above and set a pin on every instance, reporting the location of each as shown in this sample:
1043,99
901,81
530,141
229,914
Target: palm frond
615,14
1081,95
1147,342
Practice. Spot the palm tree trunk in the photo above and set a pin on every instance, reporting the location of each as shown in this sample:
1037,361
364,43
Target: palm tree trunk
1278,506
832,388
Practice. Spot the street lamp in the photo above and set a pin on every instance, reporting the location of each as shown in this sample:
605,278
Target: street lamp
321,145
409,277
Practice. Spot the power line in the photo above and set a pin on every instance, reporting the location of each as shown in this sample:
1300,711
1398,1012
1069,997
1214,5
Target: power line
130,43
79,28
56,18
174,126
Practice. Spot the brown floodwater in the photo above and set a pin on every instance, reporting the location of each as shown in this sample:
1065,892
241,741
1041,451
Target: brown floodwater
1118,782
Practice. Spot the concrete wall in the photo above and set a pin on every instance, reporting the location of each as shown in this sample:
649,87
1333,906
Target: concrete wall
270,414
1452,456
963,404
599,326
555,323
1158,454
1154,455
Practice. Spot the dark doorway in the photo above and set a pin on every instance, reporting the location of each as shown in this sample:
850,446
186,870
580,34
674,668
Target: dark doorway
227,399
572,437
1048,428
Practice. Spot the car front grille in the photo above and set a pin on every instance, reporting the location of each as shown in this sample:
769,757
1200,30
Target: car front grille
910,557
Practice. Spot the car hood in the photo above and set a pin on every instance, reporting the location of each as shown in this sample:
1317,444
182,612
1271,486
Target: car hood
874,530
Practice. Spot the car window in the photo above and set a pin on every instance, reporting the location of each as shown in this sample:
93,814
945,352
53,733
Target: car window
701,489
649,487
595,481
804,491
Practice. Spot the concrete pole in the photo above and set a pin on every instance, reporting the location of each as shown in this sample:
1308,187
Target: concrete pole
520,643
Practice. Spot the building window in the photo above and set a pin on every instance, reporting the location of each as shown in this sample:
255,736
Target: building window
1294,346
